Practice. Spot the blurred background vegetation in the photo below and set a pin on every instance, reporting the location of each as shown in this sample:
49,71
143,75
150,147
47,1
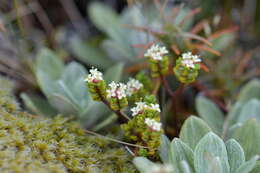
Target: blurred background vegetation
46,45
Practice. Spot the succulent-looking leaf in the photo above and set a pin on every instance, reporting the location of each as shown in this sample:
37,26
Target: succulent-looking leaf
249,91
89,54
250,110
106,20
73,85
38,105
143,165
210,113
164,150
62,104
64,86
98,109
236,155
256,168
109,22
233,113
185,167
179,152
247,166
215,165
48,69
114,73
248,137
116,51
232,130
210,147
193,130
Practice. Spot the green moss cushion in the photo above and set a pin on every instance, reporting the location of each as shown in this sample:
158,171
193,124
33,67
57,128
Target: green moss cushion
30,144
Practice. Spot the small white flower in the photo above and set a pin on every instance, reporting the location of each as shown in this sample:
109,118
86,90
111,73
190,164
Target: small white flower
190,60
133,86
141,106
116,90
155,107
154,125
156,52
94,76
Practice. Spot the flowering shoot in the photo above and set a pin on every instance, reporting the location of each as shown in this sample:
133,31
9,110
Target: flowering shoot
187,68
96,85
156,52
116,94
159,62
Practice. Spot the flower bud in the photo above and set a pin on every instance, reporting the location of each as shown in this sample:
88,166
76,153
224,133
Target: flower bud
187,68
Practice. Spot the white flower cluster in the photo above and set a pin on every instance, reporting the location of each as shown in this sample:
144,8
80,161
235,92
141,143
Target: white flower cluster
141,106
190,60
94,76
156,52
154,125
116,90
161,169
133,86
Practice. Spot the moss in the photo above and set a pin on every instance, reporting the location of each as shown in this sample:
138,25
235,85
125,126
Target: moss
7,100
37,144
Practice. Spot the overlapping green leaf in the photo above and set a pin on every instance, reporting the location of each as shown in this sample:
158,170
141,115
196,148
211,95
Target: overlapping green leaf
62,84
89,54
236,155
114,73
164,150
143,164
210,147
193,130
210,113
249,91
181,152
251,109
38,105
248,166
248,137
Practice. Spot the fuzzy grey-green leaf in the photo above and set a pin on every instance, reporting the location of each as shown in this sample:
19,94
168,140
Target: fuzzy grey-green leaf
250,91
143,165
114,73
248,137
89,54
179,152
236,155
38,105
251,109
164,149
215,165
185,167
48,69
193,130
209,147
209,112
248,166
